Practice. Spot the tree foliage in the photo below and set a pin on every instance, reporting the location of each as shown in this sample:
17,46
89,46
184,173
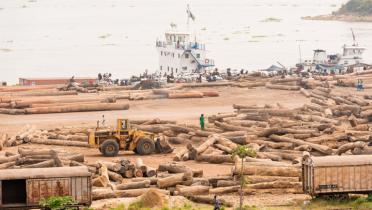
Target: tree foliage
243,151
357,7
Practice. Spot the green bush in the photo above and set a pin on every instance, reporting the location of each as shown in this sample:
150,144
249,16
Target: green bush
57,202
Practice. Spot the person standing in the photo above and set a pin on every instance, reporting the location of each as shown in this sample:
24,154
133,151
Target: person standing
217,204
201,119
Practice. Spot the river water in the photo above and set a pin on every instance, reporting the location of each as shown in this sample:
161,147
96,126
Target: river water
44,38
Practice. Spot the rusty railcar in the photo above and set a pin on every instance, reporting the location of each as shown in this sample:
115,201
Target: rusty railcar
24,188
337,175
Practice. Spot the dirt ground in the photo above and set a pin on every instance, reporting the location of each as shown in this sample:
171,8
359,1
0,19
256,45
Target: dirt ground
181,110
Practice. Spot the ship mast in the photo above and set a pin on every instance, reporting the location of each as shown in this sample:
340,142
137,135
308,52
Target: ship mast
354,41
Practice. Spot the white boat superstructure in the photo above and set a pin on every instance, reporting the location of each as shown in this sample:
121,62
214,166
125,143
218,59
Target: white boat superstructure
178,55
181,53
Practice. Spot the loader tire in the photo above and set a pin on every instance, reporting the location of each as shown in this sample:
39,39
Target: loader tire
109,148
145,146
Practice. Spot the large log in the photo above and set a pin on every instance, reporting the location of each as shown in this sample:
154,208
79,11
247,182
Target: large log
178,156
321,148
247,123
153,180
192,190
59,142
263,169
137,192
210,141
224,190
116,167
305,92
114,176
227,183
173,167
78,108
350,146
133,185
7,165
209,200
185,95
228,127
226,142
182,178
152,128
276,191
98,194
44,164
259,179
282,87
217,159
208,84
274,184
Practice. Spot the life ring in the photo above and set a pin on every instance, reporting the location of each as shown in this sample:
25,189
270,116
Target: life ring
206,61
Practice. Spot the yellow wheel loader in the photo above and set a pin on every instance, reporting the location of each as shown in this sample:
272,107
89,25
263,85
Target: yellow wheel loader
110,142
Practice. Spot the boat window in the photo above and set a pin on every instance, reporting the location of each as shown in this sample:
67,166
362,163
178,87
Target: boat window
198,55
161,67
179,55
161,53
186,55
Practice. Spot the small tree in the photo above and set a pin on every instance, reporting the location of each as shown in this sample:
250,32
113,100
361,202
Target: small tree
242,152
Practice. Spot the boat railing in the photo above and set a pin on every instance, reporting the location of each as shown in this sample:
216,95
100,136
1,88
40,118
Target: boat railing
184,46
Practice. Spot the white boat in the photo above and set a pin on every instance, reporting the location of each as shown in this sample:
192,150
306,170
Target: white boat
181,54
351,57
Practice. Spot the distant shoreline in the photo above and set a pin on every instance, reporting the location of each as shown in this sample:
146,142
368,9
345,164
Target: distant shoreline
345,18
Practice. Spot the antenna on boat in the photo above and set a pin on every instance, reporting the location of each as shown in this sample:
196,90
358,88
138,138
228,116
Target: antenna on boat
299,50
352,32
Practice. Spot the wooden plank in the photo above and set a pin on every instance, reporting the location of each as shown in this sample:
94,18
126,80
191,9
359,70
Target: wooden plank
357,178
340,182
78,188
84,189
73,188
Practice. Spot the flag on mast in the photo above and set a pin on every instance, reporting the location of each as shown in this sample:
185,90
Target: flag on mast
189,13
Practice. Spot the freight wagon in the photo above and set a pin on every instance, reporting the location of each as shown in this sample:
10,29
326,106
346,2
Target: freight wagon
24,188
337,175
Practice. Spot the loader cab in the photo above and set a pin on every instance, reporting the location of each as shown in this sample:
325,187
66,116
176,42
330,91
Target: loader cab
123,126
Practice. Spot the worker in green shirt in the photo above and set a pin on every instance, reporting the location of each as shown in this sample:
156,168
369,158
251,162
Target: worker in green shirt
202,121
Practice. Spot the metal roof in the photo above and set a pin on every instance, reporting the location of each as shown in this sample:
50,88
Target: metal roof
344,160
41,173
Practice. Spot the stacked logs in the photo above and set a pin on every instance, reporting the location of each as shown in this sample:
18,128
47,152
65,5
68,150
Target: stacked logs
40,158
171,94
77,136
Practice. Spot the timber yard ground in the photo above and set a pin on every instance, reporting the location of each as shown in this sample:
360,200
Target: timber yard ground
183,111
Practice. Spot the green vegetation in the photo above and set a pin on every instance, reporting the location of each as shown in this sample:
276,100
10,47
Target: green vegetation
356,7
57,202
352,203
242,152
